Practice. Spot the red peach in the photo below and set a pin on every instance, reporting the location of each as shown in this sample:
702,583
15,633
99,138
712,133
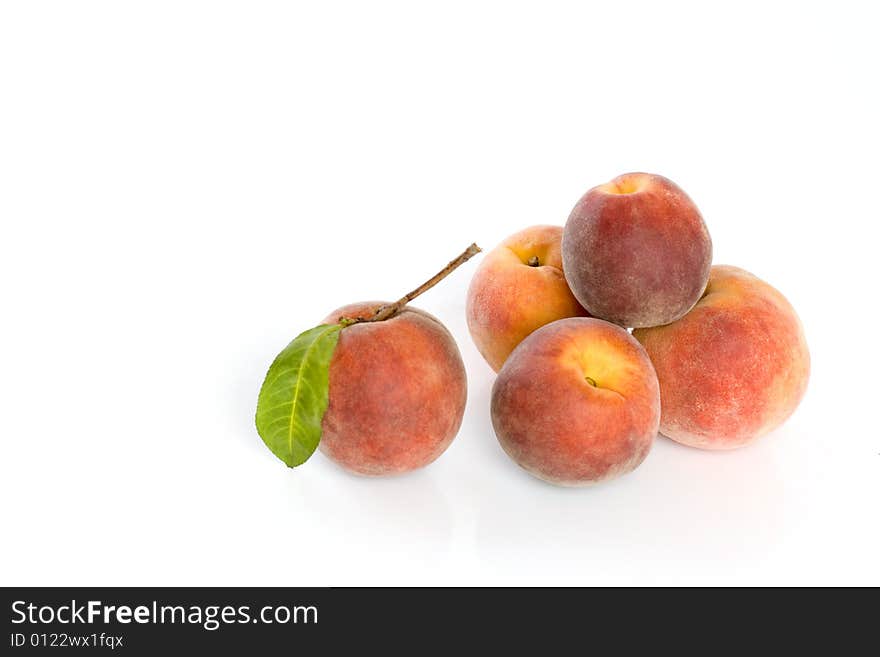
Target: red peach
636,251
577,402
397,392
518,287
732,369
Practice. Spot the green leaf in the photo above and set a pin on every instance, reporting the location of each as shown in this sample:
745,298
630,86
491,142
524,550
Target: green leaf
294,395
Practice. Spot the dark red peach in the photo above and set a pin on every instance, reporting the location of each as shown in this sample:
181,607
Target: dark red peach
636,251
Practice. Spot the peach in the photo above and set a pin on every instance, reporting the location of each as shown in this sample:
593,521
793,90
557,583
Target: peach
397,392
636,251
577,402
732,369
519,287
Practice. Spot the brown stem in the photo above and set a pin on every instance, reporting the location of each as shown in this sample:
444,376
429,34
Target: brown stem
390,310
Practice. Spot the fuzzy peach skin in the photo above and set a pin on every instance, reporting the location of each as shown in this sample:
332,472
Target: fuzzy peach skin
636,251
577,402
518,287
397,392
732,369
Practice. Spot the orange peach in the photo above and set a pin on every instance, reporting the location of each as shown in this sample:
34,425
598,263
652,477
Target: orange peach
636,251
577,402
519,287
732,369
397,392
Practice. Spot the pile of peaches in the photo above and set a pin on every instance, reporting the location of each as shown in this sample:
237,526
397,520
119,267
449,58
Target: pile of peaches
603,333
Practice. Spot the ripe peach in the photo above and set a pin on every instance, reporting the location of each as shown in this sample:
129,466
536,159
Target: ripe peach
397,392
732,369
577,402
636,251
518,288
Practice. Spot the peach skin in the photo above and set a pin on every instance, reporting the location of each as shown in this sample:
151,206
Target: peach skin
577,402
518,288
397,392
636,251
732,369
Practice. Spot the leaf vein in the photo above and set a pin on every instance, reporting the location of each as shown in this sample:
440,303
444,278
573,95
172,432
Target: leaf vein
302,363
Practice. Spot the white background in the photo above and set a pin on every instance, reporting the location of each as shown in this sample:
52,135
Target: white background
185,186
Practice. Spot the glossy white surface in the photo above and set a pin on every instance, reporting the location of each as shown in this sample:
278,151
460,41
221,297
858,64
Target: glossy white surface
186,186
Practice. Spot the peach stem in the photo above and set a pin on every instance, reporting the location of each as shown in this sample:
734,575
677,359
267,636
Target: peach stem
390,310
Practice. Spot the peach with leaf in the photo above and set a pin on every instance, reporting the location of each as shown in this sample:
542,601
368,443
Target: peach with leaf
379,387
